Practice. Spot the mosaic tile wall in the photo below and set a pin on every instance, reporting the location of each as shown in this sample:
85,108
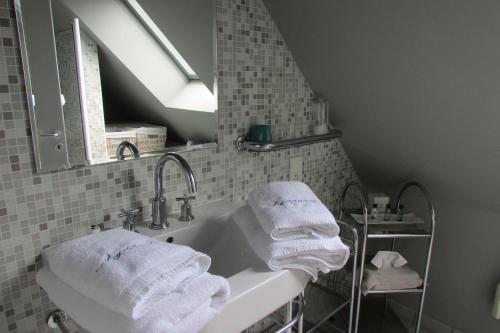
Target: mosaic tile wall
93,97
68,78
259,82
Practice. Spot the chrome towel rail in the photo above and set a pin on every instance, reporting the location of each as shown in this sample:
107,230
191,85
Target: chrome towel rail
242,144
297,318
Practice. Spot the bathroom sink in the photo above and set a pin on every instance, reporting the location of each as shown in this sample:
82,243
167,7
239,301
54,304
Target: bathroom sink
255,290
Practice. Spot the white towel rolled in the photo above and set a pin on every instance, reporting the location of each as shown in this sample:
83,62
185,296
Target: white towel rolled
185,310
124,271
390,278
308,254
290,210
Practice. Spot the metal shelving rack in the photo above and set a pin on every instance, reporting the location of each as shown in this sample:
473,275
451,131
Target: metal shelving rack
392,232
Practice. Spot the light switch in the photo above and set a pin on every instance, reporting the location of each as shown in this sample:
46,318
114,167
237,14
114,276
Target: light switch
296,164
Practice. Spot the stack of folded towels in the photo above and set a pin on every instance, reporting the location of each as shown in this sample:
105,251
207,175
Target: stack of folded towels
287,226
388,271
120,281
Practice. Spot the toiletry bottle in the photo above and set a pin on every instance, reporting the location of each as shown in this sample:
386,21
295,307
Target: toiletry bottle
400,212
374,212
189,144
387,213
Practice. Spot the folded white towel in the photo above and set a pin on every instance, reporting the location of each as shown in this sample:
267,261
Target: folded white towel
124,271
390,278
308,254
290,210
387,259
185,310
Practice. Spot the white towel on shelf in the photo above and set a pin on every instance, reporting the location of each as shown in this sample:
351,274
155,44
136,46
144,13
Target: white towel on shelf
390,278
308,254
184,310
124,271
289,210
387,259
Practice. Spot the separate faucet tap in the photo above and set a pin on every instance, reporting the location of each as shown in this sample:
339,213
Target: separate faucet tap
159,204
130,215
121,148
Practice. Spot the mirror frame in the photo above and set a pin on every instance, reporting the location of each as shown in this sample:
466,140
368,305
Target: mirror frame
49,144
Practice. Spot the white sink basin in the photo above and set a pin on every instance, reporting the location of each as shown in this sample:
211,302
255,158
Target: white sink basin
255,290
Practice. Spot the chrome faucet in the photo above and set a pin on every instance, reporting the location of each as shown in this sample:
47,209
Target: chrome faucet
159,209
121,148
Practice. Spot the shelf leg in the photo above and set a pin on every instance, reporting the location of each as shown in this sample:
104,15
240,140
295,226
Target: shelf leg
393,247
424,284
360,282
300,326
353,283
288,314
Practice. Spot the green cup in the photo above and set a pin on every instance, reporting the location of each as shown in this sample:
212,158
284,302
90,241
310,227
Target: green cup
261,134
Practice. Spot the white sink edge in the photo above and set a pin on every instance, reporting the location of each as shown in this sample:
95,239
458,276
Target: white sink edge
255,298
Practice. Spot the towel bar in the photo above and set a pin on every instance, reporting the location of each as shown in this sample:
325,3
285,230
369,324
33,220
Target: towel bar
242,144
57,318
296,319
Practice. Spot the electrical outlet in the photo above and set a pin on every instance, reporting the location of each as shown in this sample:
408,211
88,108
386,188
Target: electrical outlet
296,164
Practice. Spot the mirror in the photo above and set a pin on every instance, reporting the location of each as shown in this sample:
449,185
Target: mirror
109,80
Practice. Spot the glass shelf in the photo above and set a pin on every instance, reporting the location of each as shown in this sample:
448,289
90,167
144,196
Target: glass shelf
379,230
242,144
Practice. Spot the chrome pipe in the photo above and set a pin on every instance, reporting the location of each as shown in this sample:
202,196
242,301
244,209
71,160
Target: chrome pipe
159,203
288,315
427,196
354,270
296,318
121,149
364,207
242,144
395,291
183,164
386,236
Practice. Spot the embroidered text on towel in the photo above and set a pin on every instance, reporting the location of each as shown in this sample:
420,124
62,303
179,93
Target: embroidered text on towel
293,202
117,255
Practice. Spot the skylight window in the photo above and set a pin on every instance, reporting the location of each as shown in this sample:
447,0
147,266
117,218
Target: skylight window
162,39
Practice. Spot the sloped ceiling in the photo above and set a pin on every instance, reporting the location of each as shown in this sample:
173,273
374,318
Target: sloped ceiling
140,81
414,85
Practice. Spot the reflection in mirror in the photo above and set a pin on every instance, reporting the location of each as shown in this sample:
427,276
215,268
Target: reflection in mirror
140,72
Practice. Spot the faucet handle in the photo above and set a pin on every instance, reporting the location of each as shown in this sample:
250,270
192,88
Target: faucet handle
129,223
186,211
130,213
186,198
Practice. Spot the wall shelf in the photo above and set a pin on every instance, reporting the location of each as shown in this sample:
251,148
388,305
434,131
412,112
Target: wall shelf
242,144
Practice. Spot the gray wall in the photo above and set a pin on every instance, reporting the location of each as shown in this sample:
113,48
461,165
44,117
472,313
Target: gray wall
415,86
464,269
